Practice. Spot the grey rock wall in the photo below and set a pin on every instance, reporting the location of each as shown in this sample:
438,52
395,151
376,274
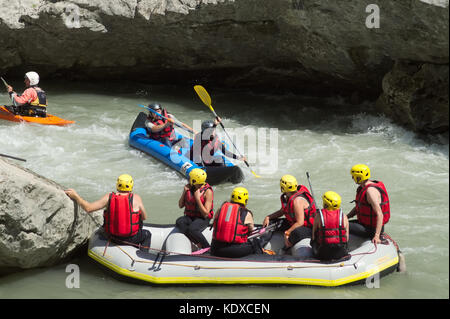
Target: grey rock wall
314,46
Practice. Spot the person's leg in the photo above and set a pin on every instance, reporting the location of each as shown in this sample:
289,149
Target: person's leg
234,250
183,223
357,229
195,230
299,234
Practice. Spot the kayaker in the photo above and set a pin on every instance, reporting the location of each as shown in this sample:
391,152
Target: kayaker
232,224
207,143
198,202
297,205
330,230
159,128
123,215
33,101
372,207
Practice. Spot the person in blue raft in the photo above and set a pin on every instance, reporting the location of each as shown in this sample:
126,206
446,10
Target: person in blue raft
207,143
159,128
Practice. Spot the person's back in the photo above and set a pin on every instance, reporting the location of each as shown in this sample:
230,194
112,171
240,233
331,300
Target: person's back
330,229
123,215
232,224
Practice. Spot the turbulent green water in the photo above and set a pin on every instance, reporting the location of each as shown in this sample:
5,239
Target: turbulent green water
325,141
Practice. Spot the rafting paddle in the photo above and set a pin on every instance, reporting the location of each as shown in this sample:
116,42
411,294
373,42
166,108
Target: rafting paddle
13,157
206,99
310,187
177,123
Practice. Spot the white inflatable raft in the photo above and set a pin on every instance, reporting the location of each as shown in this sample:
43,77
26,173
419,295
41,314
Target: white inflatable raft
171,260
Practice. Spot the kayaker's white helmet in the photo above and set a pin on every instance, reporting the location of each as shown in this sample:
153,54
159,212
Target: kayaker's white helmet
33,77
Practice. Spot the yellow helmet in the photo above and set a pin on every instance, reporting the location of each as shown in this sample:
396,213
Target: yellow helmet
288,183
124,183
331,200
197,177
240,195
360,173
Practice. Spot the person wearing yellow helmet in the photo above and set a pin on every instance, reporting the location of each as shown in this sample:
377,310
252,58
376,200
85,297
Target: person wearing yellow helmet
330,230
372,207
297,205
197,199
232,224
123,214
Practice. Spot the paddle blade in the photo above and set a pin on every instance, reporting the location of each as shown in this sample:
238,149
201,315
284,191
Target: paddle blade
256,175
203,94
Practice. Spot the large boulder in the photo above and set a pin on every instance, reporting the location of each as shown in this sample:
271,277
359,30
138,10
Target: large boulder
39,225
416,96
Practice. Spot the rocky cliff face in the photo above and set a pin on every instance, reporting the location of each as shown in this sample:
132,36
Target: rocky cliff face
314,46
39,225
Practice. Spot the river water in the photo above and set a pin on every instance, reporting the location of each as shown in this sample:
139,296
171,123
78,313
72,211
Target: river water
323,136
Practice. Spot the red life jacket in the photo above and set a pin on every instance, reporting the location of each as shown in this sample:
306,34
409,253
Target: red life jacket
119,218
207,149
165,132
331,229
190,205
365,213
287,205
229,224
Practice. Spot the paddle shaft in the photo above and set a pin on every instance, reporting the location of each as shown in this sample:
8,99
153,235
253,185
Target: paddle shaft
13,157
180,125
4,82
223,127
310,187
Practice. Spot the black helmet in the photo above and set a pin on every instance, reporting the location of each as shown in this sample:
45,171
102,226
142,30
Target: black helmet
155,106
207,124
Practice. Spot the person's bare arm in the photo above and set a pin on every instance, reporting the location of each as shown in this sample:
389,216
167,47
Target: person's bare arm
374,199
204,209
87,206
140,206
274,215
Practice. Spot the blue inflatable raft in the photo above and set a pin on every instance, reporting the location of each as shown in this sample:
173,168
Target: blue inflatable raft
178,159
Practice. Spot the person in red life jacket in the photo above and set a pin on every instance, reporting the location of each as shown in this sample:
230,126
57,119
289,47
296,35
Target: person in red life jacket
33,101
198,200
330,230
123,215
372,207
159,128
298,208
207,143
232,224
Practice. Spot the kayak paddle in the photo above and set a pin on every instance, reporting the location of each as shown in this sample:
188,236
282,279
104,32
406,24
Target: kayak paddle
177,123
310,187
206,99
13,157
4,82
